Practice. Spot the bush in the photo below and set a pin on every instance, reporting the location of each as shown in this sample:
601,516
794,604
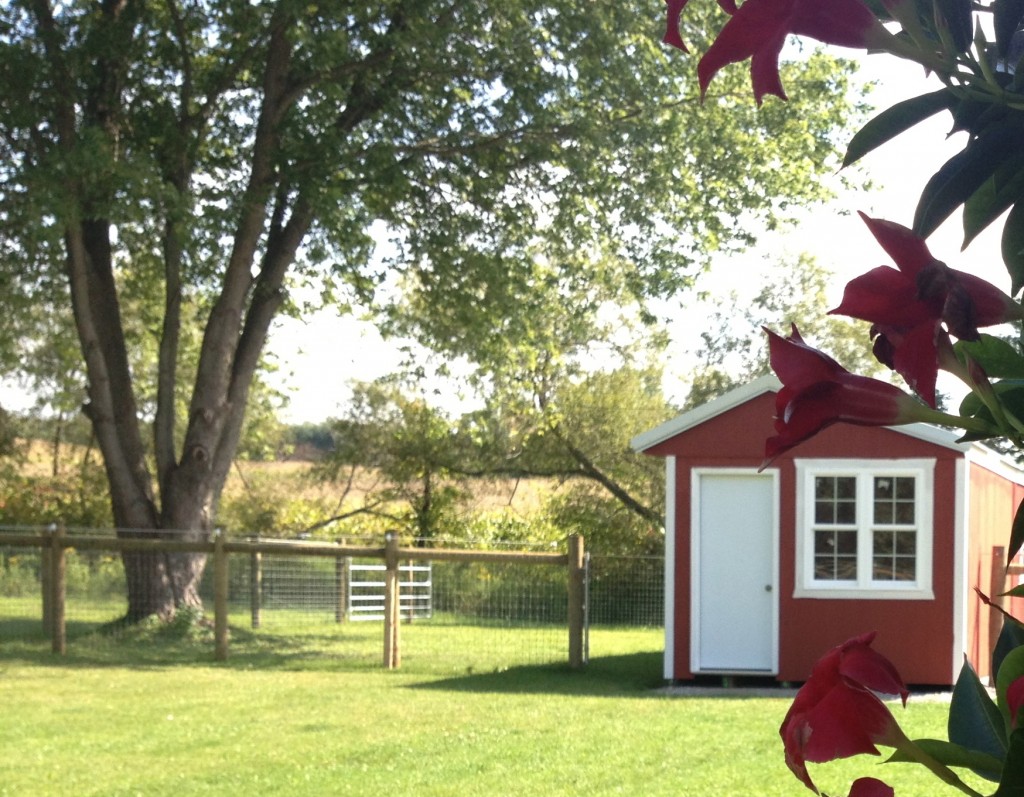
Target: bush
79,500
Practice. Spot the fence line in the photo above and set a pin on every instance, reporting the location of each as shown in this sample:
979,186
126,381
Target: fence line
55,542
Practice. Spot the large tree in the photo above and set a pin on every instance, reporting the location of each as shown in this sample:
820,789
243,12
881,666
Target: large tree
222,151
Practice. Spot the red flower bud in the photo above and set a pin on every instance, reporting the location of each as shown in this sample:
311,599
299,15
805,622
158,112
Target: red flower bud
871,787
818,392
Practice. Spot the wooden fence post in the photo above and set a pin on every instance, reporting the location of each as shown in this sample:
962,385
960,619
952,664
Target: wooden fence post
576,601
997,586
46,582
58,573
220,597
341,576
392,615
256,586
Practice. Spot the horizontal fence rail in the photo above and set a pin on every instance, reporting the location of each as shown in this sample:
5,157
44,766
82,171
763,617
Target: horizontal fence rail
267,587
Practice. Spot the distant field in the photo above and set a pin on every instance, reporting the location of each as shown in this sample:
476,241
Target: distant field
524,496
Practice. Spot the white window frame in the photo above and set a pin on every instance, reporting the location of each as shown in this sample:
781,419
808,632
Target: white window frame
864,588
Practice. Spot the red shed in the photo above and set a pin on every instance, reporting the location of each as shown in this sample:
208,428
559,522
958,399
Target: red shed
858,529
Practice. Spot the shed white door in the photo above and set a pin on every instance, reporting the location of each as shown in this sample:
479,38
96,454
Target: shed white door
734,607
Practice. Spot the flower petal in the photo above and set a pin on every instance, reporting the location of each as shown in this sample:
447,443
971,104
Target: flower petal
846,722
672,16
864,665
758,30
915,357
907,250
871,787
883,296
847,23
798,364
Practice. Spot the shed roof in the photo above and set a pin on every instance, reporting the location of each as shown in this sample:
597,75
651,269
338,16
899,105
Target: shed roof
771,384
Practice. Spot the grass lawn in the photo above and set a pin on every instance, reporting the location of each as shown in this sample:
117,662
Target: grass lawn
288,715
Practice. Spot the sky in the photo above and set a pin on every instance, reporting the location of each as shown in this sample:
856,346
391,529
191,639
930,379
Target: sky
320,355
324,352
836,236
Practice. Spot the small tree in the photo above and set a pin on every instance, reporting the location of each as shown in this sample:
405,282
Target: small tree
733,348
410,447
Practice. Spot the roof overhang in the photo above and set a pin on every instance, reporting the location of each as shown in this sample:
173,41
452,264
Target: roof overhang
771,384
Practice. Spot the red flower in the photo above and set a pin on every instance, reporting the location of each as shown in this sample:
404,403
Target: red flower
836,713
818,392
758,30
871,787
908,306
1015,699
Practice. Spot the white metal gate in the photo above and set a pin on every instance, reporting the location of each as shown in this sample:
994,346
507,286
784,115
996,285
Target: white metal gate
366,591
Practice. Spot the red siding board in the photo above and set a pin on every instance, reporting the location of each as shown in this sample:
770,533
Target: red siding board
994,500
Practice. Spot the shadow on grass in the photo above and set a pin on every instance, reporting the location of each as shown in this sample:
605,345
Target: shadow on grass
159,647
635,674
343,649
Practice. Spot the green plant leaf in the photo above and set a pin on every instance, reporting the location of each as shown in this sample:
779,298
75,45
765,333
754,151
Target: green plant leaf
1010,638
1012,246
1007,15
963,174
1011,397
895,120
970,115
954,755
975,721
959,21
1016,533
1012,782
994,197
999,358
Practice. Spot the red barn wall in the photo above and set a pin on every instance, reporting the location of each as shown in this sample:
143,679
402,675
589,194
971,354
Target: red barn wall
916,634
994,501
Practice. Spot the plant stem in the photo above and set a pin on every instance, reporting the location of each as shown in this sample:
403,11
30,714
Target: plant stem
944,773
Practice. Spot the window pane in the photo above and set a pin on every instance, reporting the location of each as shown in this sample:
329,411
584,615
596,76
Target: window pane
894,500
905,569
838,568
846,512
835,555
835,500
846,568
906,543
893,556
905,488
846,542
905,512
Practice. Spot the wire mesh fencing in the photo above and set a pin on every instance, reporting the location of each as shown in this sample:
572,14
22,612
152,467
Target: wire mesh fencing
626,591
458,615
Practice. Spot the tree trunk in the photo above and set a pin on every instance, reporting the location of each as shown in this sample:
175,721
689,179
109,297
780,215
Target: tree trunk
161,583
